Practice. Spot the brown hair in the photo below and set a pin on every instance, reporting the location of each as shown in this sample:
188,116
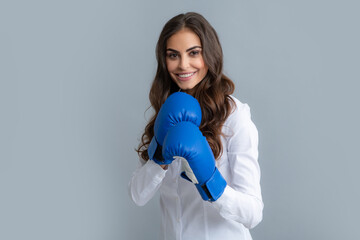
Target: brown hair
213,92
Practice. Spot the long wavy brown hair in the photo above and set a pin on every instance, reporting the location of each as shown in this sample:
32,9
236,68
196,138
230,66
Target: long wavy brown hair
213,92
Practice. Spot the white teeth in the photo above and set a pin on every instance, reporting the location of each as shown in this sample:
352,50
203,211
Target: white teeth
185,75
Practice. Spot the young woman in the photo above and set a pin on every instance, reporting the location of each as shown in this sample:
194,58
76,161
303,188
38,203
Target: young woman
204,194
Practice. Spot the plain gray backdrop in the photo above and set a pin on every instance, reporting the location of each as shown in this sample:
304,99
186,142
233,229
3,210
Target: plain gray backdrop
75,77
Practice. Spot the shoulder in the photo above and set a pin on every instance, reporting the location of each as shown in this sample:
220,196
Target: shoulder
239,129
239,111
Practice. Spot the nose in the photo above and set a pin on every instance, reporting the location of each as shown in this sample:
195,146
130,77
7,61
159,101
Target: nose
184,63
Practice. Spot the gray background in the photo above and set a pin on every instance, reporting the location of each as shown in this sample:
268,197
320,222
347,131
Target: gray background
75,77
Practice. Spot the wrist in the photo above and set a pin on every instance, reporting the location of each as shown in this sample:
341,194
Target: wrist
165,167
213,188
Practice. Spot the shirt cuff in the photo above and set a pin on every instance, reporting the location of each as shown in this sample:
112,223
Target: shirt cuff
226,204
156,170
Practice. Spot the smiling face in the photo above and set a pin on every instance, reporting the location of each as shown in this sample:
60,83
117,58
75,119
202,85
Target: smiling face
184,60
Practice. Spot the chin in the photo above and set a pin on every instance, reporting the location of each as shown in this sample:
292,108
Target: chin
186,87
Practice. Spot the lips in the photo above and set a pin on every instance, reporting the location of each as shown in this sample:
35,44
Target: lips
185,76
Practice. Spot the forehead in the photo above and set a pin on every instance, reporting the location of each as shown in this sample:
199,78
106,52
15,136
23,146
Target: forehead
183,39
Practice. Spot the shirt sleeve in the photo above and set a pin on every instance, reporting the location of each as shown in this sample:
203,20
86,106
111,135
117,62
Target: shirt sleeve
145,181
242,200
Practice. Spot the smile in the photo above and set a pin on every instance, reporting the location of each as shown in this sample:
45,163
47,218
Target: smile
186,75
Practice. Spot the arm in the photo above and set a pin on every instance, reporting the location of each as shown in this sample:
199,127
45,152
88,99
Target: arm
145,181
242,200
147,178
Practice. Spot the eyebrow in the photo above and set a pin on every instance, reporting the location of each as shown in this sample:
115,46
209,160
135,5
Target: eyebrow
187,50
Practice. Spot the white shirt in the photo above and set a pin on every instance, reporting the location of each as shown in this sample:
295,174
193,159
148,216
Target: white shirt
184,214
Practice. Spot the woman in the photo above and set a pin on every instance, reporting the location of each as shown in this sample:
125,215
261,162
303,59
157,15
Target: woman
190,60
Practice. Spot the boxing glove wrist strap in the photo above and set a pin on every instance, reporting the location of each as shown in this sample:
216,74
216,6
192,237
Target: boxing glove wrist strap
213,188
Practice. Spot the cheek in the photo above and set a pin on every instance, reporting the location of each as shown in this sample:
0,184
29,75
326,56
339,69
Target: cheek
170,66
202,66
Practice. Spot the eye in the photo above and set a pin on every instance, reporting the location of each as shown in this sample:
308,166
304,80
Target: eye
172,55
194,53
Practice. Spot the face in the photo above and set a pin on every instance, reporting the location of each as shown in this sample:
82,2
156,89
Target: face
184,59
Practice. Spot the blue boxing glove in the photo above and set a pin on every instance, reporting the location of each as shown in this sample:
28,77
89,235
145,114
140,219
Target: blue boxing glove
177,108
186,141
